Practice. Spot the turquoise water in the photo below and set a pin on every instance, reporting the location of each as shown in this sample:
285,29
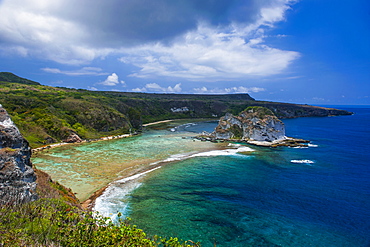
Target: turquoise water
260,198
88,167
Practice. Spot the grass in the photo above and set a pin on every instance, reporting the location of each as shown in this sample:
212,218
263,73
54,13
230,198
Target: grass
260,111
53,222
57,219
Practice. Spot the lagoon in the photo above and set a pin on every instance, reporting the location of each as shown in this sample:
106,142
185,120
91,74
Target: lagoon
257,198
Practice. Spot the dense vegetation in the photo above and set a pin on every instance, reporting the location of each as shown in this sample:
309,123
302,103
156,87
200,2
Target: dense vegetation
10,77
48,114
56,219
53,222
260,110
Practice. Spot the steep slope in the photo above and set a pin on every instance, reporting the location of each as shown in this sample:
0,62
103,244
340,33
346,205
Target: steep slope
10,77
17,177
45,114
254,123
286,110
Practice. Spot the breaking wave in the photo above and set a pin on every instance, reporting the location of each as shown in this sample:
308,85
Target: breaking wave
302,161
116,197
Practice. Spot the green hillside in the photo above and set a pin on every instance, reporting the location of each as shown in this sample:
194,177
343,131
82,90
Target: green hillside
46,114
10,77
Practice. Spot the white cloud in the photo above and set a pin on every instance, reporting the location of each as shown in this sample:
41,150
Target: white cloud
230,90
154,87
189,41
112,80
176,88
84,71
34,28
201,90
318,99
213,54
292,77
275,13
138,90
210,55
92,88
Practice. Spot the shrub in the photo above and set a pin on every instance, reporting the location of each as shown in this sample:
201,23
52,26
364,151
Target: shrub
53,222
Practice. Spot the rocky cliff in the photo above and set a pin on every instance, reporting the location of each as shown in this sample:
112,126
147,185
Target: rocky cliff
17,177
287,110
255,125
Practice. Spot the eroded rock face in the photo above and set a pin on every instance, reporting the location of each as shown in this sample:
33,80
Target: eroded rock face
253,124
17,177
73,138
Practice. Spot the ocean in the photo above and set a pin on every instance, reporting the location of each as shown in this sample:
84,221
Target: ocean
243,195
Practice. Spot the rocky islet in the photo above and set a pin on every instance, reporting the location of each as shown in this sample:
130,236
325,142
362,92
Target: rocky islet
255,125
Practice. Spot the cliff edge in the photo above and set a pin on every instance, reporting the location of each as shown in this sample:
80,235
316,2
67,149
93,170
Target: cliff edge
17,177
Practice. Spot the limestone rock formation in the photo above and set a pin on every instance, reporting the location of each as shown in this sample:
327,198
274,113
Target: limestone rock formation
73,138
253,124
17,177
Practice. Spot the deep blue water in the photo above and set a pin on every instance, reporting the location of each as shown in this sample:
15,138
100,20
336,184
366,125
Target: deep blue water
262,198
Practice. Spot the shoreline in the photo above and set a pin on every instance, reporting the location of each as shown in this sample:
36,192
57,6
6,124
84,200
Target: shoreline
59,144
159,122
105,138
88,204
284,142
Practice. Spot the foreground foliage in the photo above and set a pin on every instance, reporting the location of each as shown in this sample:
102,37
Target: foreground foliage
52,222
57,219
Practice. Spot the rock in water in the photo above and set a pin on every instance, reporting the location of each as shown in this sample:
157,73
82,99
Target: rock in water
17,177
253,124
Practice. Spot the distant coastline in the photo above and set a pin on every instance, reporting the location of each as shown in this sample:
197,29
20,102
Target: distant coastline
158,122
59,144
105,138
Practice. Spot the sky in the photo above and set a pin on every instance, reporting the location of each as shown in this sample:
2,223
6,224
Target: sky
297,51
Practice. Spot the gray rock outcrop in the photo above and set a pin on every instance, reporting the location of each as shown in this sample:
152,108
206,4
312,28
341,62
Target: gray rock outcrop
73,138
253,124
17,177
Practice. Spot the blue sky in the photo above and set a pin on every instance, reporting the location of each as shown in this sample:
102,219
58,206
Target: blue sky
299,51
